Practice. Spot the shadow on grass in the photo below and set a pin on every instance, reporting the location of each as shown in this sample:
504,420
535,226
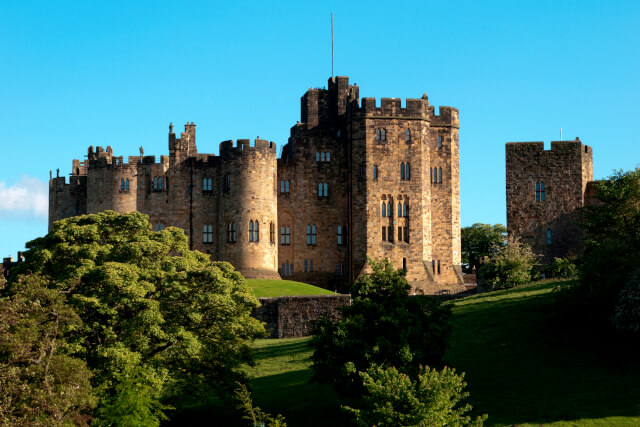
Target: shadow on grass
280,349
525,361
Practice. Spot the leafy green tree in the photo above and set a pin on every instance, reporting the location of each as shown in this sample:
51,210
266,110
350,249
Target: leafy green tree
481,240
563,268
384,326
392,398
39,381
612,244
254,414
152,314
513,265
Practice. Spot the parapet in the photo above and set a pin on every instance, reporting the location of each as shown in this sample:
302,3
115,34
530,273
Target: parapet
229,148
414,109
556,146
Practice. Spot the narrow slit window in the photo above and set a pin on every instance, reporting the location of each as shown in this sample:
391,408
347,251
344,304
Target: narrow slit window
384,233
399,210
251,231
439,175
126,184
322,157
549,237
256,233
122,183
405,212
389,210
407,135
340,237
408,171
384,210
375,171
317,156
402,171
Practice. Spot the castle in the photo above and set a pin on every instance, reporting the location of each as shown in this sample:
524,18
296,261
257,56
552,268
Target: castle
355,179
546,190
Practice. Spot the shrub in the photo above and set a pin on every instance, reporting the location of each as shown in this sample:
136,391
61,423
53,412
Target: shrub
394,399
513,265
563,268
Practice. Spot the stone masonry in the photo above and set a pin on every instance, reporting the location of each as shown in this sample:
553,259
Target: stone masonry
314,214
545,191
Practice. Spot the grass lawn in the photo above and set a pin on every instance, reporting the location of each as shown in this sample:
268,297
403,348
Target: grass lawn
526,363
277,288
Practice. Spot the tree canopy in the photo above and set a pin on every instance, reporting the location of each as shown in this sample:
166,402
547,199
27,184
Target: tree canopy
481,240
133,306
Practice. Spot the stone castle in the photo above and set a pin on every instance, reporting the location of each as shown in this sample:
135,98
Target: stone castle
355,179
546,190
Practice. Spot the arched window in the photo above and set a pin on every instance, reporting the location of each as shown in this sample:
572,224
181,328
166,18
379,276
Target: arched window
283,270
322,156
282,186
384,209
378,135
155,183
399,210
317,156
383,134
160,183
256,233
405,212
122,183
319,189
549,237
340,237
326,190
389,210
329,154
408,171
286,186
439,175
126,184
407,135
435,175
251,230
401,170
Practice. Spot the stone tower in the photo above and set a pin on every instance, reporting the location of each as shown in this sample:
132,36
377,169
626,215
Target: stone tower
545,191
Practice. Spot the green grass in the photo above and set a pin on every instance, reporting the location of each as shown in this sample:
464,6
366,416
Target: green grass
277,288
526,362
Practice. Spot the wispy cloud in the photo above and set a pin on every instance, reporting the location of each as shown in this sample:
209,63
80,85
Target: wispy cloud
29,197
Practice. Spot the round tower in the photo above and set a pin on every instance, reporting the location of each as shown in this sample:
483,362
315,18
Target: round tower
247,215
111,183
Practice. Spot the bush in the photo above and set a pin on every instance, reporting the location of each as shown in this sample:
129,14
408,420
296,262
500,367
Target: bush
394,399
627,312
563,268
513,265
384,326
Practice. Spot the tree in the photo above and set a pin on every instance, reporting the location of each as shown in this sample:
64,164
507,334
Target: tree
151,312
384,326
509,267
481,240
394,399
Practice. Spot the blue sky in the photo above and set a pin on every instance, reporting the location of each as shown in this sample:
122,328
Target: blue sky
74,74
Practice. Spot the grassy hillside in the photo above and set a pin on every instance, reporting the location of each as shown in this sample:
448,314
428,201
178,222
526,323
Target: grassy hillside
277,288
526,363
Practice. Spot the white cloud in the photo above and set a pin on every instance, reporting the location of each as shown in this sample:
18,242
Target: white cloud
28,197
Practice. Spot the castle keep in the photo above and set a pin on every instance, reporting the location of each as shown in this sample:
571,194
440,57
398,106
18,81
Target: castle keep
355,179
545,191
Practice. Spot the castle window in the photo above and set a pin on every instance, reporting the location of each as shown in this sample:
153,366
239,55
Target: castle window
439,141
406,234
438,266
375,171
323,189
540,193
283,271
231,232
399,234
404,264
166,181
317,156
207,234
284,187
402,171
329,154
322,158
122,183
159,183
311,235
227,182
340,236
310,264
549,237
389,210
384,209
405,212
206,184
126,184
251,230
272,233
433,266
384,233
439,175
383,134
390,233
155,183
305,265
407,134
434,177
399,210
285,235
378,135
158,226
256,231
408,171
362,170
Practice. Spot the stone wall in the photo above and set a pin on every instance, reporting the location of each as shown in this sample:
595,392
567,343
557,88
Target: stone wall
547,220
295,316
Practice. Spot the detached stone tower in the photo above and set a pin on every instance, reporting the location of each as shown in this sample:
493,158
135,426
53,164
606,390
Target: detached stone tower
545,191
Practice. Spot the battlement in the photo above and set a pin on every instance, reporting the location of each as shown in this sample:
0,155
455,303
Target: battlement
232,148
414,109
556,147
